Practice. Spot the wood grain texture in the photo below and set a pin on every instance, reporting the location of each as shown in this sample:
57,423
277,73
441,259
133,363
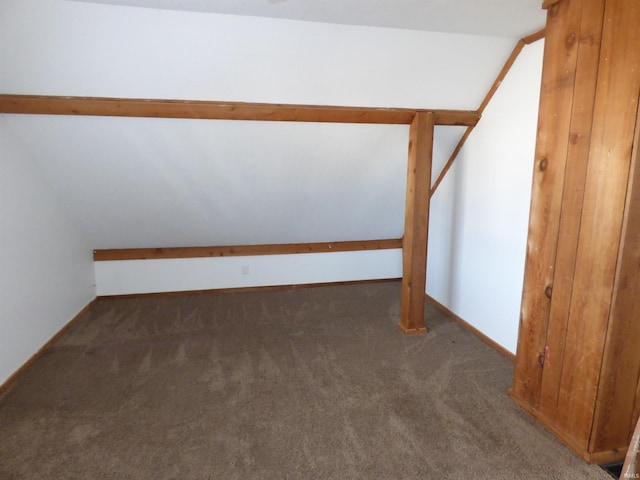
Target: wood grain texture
609,162
631,467
416,226
554,120
158,108
636,408
534,37
607,456
615,414
585,385
579,142
242,250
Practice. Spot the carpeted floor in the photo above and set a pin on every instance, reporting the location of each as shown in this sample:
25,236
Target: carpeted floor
312,383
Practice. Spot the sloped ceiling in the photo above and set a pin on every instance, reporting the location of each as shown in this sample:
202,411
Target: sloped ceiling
131,182
166,182
503,18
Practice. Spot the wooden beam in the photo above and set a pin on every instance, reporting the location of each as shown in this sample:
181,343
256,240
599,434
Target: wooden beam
156,108
242,250
503,73
534,37
454,118
452,158
416,225
496,84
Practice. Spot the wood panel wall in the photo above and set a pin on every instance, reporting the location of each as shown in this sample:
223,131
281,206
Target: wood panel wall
574,370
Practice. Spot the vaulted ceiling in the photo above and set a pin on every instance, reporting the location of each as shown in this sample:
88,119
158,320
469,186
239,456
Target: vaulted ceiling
131,182
505,18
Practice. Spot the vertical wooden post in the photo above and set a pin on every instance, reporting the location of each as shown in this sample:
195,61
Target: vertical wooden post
416,224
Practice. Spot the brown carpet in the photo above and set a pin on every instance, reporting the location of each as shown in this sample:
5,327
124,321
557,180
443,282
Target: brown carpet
313,383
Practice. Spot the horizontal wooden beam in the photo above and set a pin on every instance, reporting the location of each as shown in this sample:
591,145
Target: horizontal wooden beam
155,108
243,250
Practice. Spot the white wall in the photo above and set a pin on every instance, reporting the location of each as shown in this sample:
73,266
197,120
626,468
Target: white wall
479,215
56,47
135,183
163,182
46,272
166,182
146,276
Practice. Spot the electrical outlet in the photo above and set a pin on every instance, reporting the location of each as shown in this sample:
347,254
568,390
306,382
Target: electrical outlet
245,269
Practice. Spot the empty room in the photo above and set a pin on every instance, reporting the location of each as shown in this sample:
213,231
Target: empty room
332,239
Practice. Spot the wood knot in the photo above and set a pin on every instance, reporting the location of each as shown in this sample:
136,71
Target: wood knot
548,291
570,40
543,164
553,9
